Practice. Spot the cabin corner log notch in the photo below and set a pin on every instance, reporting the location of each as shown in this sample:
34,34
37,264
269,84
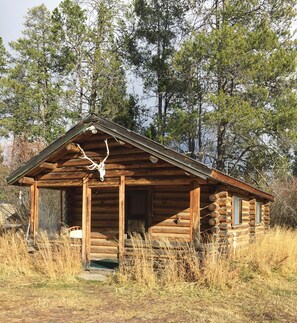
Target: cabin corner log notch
253,225
266,212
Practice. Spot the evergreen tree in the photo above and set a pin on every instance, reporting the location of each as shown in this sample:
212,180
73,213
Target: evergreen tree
88,56
153,29
33,93
247,60
70,33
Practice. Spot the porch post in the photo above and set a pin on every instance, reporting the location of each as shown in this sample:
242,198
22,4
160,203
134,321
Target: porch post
195,211
86,223
121,217
34,209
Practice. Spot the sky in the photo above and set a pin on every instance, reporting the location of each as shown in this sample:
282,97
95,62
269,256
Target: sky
12,13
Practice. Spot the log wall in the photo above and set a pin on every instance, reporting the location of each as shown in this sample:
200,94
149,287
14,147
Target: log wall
171,213
217,220
104,221
170,217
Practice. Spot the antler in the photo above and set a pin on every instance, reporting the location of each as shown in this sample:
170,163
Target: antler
100,167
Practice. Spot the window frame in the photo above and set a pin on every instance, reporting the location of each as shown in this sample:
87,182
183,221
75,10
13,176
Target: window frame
258,216
237,210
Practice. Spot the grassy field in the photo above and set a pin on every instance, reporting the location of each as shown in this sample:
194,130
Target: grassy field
95,302
258,285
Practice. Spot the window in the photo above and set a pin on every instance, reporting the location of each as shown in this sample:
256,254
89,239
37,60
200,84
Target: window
258,212
237,210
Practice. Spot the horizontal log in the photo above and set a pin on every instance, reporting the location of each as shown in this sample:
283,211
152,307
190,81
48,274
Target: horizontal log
183,190
172,223
147,181
63,176
215,230
180,216
145,172
223,226
103,242
104,249
213,206
101,145
99,201
107,222
214,214
173,205
213,221
27,180
101,209
219,195
173,236
171,210
72,148
59,183
171,195
46,165
100,154
174,230
224,218
99,256
106,235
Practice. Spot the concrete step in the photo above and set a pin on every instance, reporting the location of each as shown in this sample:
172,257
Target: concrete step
96,275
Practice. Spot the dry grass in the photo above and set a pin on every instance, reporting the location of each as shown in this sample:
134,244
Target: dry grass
258,284
53,261
275,252
154,268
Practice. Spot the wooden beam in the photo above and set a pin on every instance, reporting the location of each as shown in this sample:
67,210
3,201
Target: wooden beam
240,185
27,180
34,209
46,165
151,181
59,183
195,211
121,217
86,223
72,148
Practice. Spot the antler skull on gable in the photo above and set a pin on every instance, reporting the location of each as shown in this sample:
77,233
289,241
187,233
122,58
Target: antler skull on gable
94,166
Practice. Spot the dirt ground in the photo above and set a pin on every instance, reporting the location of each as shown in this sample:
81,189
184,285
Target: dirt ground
98,302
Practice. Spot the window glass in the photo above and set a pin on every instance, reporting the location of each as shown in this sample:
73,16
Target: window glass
237,210
258,212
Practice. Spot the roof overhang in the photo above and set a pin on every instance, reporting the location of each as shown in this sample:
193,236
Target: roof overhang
188,164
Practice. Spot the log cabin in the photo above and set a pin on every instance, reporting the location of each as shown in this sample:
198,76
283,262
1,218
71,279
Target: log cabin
113,182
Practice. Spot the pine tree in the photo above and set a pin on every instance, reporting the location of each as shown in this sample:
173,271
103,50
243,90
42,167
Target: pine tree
152,31
33,93
248,58
88,56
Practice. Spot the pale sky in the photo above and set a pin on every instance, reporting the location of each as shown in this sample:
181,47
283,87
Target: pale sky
12,13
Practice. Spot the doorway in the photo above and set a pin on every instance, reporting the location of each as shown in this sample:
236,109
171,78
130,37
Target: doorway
136,211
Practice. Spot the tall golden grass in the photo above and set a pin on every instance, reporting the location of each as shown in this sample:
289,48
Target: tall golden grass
154,265
167,266
53,261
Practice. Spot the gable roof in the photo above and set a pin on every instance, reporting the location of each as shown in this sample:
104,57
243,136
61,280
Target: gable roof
186,163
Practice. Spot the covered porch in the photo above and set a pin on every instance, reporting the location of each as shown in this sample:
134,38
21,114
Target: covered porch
108,213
